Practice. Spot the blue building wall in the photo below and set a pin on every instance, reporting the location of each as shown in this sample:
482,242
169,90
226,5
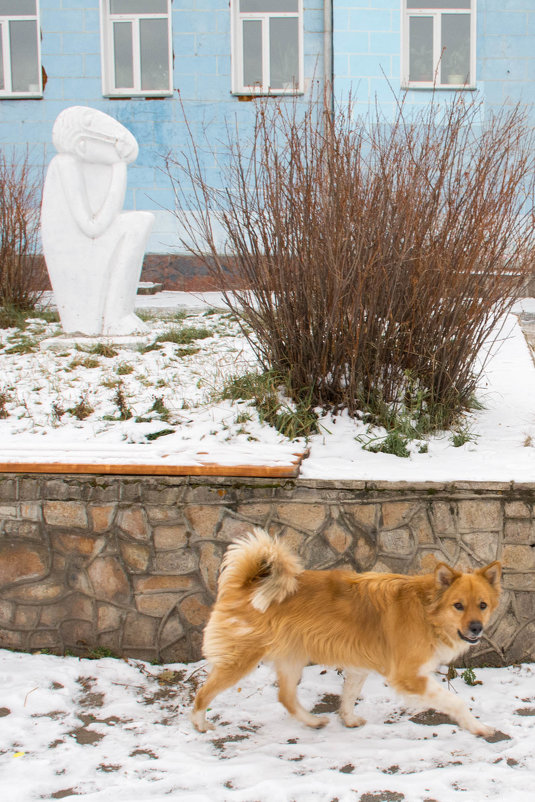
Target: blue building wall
367,48
366,45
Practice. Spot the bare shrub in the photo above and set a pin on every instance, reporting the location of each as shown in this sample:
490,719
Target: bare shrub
377,256
21,266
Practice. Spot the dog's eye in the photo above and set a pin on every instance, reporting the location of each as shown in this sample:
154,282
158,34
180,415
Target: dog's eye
458,606
483,605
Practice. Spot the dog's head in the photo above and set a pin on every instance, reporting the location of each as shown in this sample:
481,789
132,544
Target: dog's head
466,601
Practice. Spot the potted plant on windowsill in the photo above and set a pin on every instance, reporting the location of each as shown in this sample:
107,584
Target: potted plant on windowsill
458,71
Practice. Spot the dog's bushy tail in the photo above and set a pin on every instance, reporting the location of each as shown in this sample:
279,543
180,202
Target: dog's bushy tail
262,565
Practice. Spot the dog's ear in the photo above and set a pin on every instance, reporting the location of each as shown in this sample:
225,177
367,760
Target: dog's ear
492,573
444,575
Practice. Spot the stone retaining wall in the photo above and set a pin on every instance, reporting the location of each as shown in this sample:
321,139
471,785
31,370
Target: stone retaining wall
129,564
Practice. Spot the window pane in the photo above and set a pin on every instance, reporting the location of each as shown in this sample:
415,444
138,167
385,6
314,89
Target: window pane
268,5
283,52
154,52
1,62
17,8
438,3
23,46
455,63
123,55
421,49
138,6
252,52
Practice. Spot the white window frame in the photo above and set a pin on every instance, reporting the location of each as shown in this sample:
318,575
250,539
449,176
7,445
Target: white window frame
436,14
107,52
5,20
237,19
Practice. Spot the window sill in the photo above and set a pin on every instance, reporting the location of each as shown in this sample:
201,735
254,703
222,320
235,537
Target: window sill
138,95
19,96
247,94
439,87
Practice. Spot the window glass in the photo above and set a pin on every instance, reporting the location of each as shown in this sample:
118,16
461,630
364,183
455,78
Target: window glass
138,6
17,8
284,56
421,49
24,67
252,52
455,62
123,54
153,35
438,3
268,5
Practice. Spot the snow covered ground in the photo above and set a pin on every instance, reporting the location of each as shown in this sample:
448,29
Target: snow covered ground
42,389
115,730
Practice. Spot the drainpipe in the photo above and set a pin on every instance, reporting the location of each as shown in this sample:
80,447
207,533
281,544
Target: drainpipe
328,71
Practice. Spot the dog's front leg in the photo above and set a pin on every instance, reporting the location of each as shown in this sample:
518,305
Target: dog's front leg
431,694
353,682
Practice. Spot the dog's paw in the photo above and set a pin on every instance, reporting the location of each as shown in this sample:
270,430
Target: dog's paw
319,722
483,730
353,721
200,722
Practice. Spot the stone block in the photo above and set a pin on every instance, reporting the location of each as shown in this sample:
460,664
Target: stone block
49,589
397,542
519,558
306,517
29,489
517,509
194,611
164,515
7,611
9,511
109,617
68,514
80,545
109,581
163,584
169,537
291,538
258,514
514,581
203,520
519,531
210,558
365,554
479,515
172,631
135,556
26,617
444,517
101,516
163,496
337,537
62,489
156,604
362,515
140,631
8,489
22,563
31,511
183,561
483,544
132,520
78,634
394,513
421,528
25,529
231,528
45,639
525,605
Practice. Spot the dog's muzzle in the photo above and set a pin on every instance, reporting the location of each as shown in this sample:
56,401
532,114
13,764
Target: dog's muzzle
475,630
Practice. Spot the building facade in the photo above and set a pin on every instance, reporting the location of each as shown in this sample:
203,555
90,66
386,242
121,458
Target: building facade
153,64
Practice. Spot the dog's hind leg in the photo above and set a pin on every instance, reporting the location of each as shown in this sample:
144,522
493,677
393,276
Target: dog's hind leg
353,682
288,675
221,677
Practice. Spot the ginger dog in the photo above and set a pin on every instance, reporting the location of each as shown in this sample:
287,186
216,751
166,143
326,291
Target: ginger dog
403,627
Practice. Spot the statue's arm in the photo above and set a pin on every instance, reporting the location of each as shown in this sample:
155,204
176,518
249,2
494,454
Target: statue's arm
93,225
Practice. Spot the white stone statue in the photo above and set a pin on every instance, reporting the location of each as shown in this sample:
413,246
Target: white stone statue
93,250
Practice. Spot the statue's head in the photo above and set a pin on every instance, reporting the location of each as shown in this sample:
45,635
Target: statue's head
93,136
